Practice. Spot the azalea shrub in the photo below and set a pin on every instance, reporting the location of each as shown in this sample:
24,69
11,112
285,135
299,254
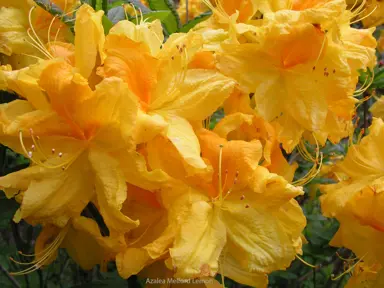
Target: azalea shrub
220,143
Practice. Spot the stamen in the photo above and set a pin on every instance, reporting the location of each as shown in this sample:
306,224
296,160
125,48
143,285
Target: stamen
66,164
49,30
136,15
38,42
48,252
348,270
305,262
125,12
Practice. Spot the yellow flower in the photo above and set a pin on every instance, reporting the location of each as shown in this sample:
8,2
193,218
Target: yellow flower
243,123
82,240
69,142
243,223
356,200
303,80
169,93
151,240
25,29
366,276
377,108
380,42
373,13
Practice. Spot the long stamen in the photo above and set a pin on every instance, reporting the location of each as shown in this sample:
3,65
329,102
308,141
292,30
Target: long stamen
321,49
38,41
366,16
305,262
49,29
348,270
63,165
141,17
36,46
48,253
136,15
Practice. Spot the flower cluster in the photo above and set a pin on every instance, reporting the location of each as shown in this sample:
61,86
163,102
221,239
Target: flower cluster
126,163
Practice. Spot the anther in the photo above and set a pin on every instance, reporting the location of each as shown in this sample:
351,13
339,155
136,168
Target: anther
63,168
237,173
221,145
60,154
334,71
314,68
30,154
53,150
247,206
242,197
31,131
33,147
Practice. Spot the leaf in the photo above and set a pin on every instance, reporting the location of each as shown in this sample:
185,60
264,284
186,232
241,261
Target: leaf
107,24
172,23
116,14
8,208
285,275
198,19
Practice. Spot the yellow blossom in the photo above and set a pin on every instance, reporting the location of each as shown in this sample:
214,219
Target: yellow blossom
356,200
82,240
25,30
215,216
169,93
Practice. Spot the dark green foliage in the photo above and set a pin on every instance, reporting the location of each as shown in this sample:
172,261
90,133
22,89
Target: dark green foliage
198,19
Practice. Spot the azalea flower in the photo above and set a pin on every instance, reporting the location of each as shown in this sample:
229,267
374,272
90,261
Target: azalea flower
82,240
356,200
170,94
64,127
242,199
364,275
25,29
242,123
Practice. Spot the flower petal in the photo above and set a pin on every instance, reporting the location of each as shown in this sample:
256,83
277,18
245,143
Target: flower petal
199,243
89,39
200,94
111,191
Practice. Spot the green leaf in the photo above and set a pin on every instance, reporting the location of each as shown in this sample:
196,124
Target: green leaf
202,17
99,5
8,208
117,14
107,24
172,23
